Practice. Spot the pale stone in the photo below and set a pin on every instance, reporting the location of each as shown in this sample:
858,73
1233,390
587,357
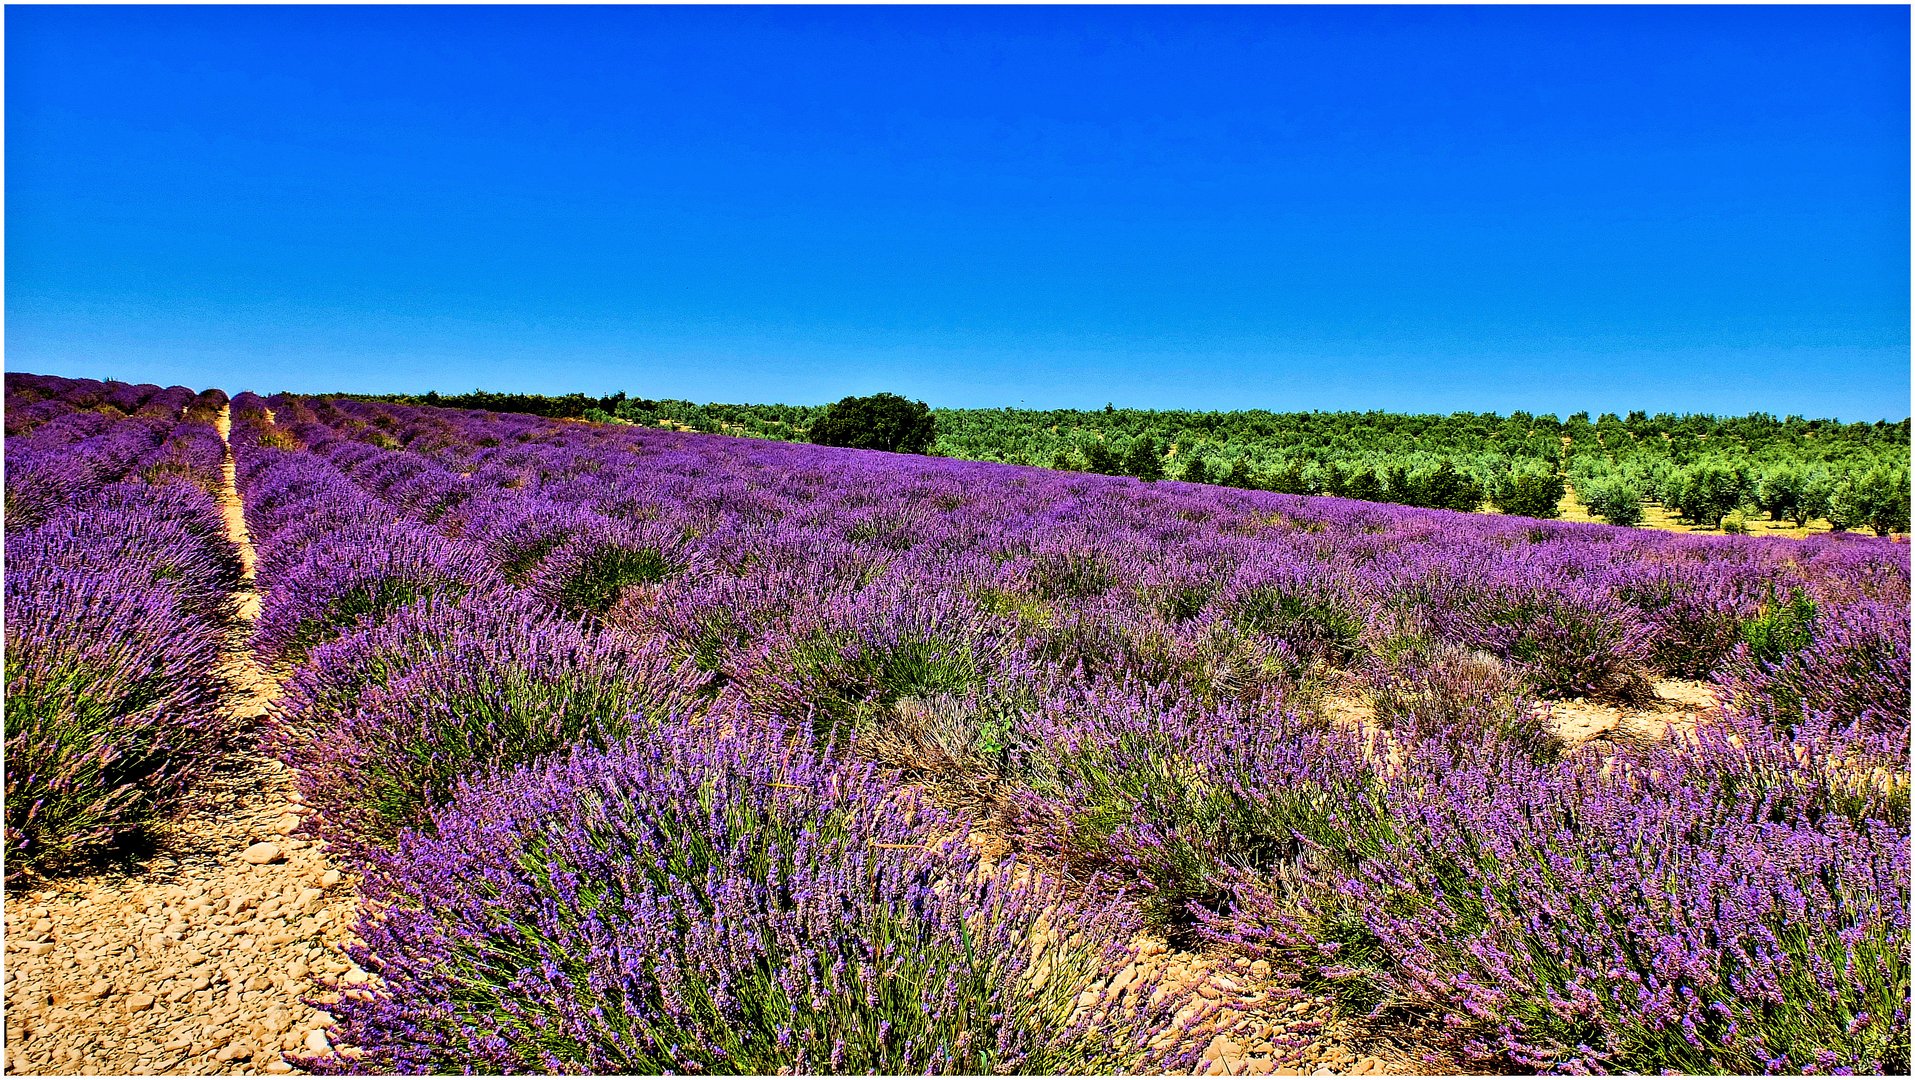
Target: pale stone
263,853
233,1050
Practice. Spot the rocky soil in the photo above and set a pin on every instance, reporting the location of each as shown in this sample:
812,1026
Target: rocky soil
199,962
216,951
1261,1032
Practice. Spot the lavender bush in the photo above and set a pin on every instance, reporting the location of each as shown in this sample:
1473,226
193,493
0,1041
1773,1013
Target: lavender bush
1631,915
118,610
1137,685
720,899
493,692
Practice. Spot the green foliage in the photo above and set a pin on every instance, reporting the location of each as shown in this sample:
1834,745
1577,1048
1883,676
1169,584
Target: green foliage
1529,492
1317,629
463,720
1791,493
1704,493
1198,822
1360,483
878,422
1404,454
594,585
843,681
372,599
1444,488
1195,471
1613,499
1145,461
1877,499
87,753
1100,458
1781,627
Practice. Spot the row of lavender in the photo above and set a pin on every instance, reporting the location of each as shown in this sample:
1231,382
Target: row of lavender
669,882
119,582
1128,679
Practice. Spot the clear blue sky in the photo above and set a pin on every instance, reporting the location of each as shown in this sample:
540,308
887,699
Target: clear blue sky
1690,209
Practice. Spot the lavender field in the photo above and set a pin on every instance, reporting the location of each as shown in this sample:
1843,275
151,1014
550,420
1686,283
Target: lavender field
656,751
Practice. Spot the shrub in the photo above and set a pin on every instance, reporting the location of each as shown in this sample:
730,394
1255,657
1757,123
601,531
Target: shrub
1445,488
113,710
1852,667
1695,616
1462,699
1571,640
963,749
1145,460
1630,915
1195,471
1528,492
877,422
714,900
1613,499
1141,781
1702,494
1315,627
842,677
530,689
1100,458
317,591
1781,627
586,577
1241,475
1361,482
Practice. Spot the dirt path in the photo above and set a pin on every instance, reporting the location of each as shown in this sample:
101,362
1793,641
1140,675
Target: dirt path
195,960
1259,1031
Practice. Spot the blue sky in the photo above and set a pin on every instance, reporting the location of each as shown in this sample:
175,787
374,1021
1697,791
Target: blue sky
1427,209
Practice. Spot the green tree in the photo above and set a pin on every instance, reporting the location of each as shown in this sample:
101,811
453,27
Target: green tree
1145,461
1447,488
1613,499
1705,492
1888,502
1290,480
1877,499
1100,458
876,422
1782,493
1529,492
1361,482
1195,471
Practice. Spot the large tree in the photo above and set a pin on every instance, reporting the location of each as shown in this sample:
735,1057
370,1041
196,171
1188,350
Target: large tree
877,422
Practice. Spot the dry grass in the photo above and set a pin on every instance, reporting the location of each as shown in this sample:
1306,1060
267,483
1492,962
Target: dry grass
1657,516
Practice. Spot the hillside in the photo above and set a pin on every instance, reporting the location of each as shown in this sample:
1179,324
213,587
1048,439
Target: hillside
1788,476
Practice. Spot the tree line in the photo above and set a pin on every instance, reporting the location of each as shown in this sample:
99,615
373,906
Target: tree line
1711,471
